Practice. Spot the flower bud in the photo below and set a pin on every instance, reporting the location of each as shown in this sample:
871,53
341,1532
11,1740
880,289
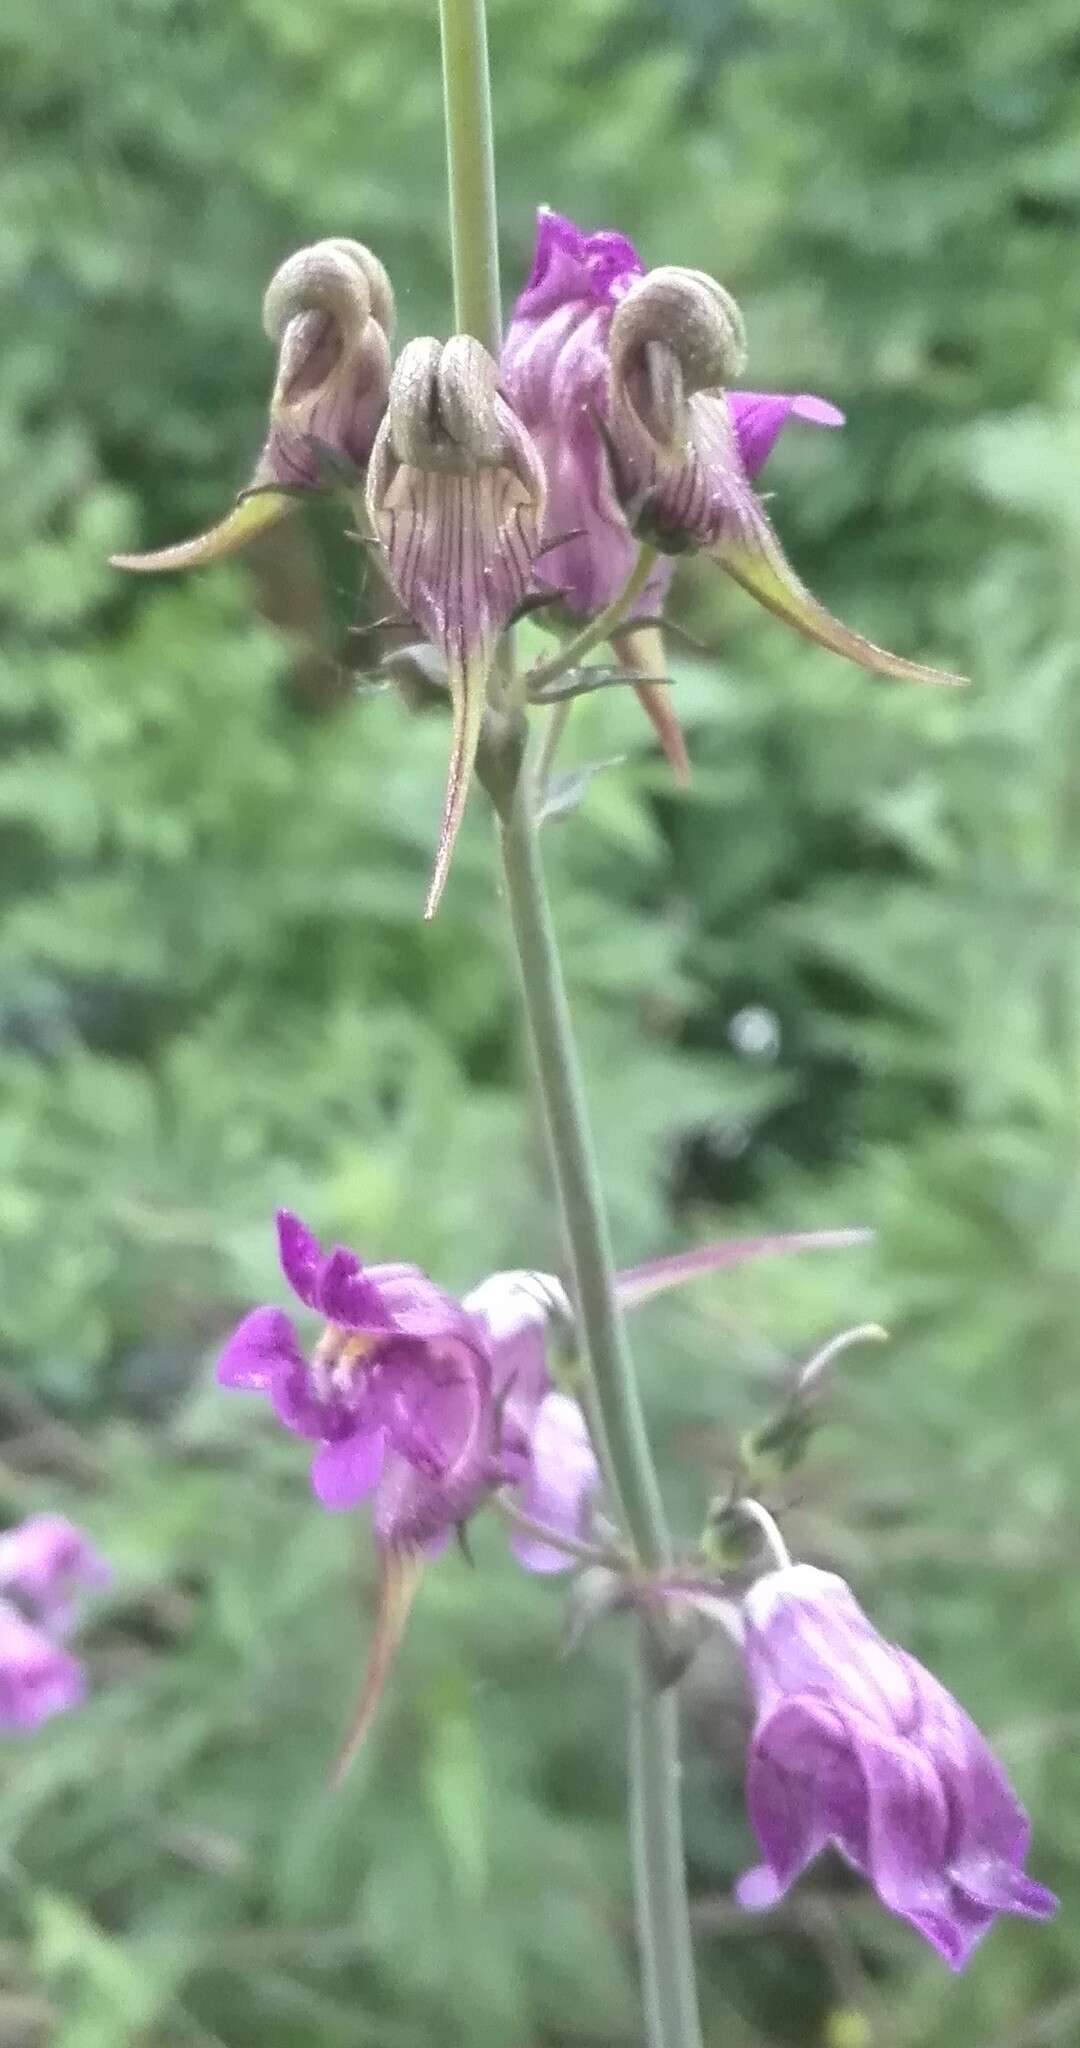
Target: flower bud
455,498
330,309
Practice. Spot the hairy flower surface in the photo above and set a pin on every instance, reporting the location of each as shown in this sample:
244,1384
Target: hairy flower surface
555,365
330,310
43,1563
855,1744
675,342
456,500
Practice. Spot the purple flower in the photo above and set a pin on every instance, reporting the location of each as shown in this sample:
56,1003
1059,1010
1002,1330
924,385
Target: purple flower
330,310
42,1563
37,1677
545,1438
397,1391
855,1744
555,367
455,498
675,343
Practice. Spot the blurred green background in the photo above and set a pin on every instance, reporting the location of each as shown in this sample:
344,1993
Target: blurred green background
837,982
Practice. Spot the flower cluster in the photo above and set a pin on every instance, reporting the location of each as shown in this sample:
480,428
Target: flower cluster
609,422
44,1563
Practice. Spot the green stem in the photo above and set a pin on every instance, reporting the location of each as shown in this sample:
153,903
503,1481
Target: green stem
667,1958
656,1818
577,1180
659,1871
470,158
601,628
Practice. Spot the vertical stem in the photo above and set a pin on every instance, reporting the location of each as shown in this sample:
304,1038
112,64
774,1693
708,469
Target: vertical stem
629,1459
663,1921
656,1820
470,158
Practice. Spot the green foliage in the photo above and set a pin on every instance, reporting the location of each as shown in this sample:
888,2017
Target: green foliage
215,993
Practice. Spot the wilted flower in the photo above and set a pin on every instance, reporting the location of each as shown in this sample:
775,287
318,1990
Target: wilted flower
855,1744
555,363
456,498
330,309
43,1562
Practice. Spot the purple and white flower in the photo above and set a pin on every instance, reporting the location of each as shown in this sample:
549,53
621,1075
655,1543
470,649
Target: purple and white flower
855,1744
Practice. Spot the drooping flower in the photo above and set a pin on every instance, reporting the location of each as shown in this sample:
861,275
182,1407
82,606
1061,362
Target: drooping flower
37,1677
855,1744
456,500
397,1391
44,1562
330,310
555,365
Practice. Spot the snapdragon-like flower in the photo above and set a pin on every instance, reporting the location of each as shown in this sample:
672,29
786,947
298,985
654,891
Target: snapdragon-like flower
555,365
330,310
676,342
456,499
397,1392
44,1562
855,1744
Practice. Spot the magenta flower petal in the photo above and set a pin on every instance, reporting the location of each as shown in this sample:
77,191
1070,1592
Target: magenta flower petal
37,1677
515,1310
759,418
856,1744
344,1473
261,1347
43,1563
562,1483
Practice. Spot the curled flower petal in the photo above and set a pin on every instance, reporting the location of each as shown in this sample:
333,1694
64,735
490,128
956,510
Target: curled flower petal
330,309
676,460
455,498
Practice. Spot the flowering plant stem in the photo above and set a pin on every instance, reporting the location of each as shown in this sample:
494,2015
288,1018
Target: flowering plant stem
659,1868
